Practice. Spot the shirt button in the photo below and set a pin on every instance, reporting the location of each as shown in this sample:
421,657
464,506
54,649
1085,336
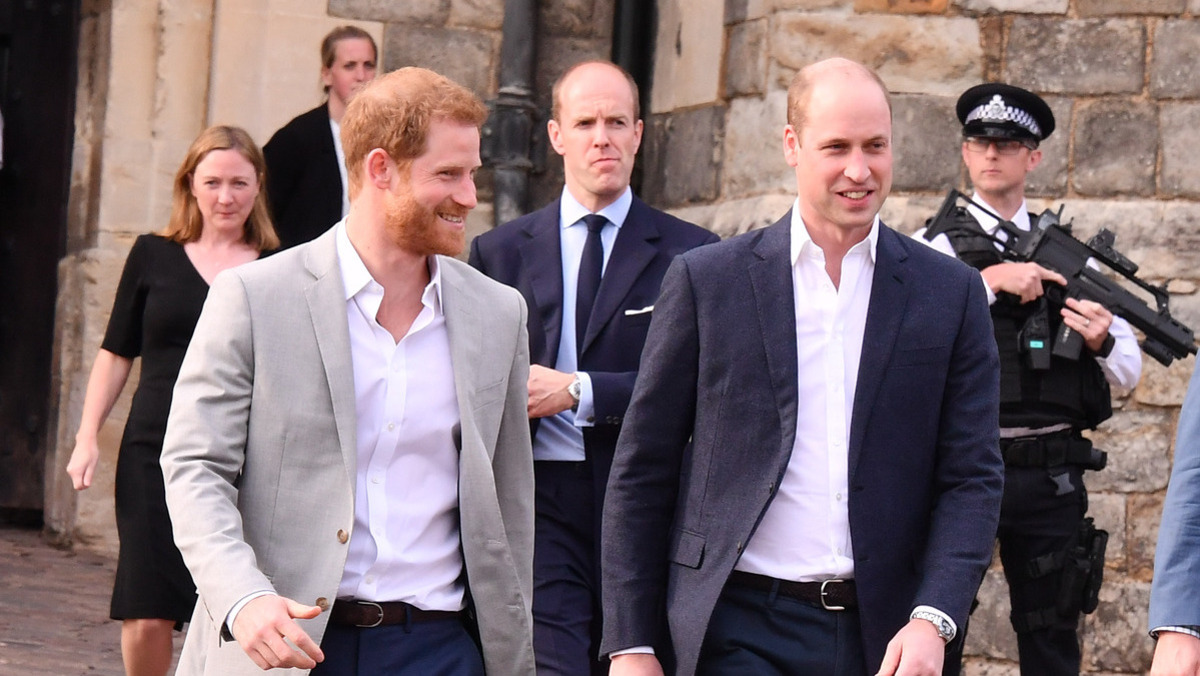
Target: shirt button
391,426
370,579
375,479
839,498
343,537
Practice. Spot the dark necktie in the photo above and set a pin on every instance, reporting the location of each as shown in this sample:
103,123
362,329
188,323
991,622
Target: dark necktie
588,285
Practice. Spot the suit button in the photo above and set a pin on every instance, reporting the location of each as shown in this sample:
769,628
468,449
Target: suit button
591,418
739,547
322,603
771,487
343,537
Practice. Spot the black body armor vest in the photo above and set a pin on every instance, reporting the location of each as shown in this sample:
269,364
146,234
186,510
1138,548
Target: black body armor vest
1070,391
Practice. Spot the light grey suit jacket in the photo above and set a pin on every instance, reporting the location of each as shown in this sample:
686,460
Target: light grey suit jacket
260,458
1175,592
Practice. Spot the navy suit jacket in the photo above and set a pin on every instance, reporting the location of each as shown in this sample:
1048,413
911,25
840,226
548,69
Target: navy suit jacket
720,370
1175,592
304,184
526,254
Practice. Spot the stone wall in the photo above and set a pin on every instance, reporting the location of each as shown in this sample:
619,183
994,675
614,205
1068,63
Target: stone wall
1118,75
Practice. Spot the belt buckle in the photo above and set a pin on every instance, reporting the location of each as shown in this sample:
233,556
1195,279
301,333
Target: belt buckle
378,609
825,593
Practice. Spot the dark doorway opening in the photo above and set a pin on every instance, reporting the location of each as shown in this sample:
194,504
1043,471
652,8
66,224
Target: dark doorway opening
38,45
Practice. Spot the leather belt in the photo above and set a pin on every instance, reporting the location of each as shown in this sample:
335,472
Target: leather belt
367,614
829,594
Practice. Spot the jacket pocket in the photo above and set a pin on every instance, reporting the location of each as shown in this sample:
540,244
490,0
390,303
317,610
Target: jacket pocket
687,548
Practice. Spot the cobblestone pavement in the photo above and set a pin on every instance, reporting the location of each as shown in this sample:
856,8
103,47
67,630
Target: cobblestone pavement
54,609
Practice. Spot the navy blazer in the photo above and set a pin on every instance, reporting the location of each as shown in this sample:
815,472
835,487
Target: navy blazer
526,254
720,370
304,184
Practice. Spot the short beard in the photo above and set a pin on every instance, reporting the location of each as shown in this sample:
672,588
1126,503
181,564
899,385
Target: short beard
415,228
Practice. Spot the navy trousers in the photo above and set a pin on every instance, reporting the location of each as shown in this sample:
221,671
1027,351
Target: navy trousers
566,570
760,633
434,648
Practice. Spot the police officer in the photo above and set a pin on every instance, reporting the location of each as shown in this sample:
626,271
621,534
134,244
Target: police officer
1052,556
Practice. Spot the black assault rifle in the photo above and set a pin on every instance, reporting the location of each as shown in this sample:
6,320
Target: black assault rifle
1051,245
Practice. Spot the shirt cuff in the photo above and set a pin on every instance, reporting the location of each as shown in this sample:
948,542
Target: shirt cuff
237,608
944,616
1179,629
585,412
635,650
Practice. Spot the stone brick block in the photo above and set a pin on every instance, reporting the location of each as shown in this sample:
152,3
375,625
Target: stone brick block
1165,385
1161,237
1093,56
1013,6
924,55
1114,637
485,14
991,633
734,217
901,6
683,156
746,59
1143,517
926,140
1136,442
687,67
1176,43
416,11
1115,148
982,667
907,213
576,18
1179,132
1128,7
805,5
1050,177
466,56
1108,511
753,156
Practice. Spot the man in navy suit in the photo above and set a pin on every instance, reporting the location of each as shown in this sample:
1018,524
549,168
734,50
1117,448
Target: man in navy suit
1175,593
589,266
306,168
808,479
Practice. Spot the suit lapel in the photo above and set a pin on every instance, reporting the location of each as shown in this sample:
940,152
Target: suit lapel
541,254
632,252
326,298
770,273
889,296
463,329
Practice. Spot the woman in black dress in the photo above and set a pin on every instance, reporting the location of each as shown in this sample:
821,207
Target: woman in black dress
219,219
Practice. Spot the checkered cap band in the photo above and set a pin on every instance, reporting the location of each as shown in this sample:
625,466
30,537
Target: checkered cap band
998,111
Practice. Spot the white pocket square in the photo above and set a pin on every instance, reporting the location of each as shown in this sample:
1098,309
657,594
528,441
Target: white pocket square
630,313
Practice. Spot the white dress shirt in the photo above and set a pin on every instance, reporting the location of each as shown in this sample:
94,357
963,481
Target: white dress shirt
405,541
1123,366
829,336
558,436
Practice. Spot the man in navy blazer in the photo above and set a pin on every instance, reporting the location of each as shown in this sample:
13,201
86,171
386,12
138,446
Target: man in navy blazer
1175,592
589,266
306,168
808,480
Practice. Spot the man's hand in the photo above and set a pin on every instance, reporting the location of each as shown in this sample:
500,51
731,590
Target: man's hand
915,650
635,664
548,391
1020,279
1090,319
1176,655
262,625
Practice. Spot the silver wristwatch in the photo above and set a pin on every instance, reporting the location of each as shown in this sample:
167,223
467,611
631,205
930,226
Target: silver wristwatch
575,389
943,626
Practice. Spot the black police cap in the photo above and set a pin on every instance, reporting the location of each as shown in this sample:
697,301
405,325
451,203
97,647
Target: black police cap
997,110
